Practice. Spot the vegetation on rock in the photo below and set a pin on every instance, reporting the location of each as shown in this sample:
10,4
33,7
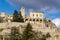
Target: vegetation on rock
17,17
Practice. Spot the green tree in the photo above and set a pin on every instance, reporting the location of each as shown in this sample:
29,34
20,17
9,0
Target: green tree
20,18
28,33
15,35
15,16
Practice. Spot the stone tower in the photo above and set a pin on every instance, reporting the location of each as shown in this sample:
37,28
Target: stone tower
23,12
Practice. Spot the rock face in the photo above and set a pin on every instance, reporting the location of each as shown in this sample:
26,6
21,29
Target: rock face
48,27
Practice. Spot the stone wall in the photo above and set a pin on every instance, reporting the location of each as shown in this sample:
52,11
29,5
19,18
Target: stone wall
36,28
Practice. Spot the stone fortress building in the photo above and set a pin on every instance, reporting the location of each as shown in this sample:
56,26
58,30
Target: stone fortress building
6,17
37,20
33,17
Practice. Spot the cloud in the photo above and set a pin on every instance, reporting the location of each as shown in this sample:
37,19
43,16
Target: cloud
49,10
56,21
37,3
45,5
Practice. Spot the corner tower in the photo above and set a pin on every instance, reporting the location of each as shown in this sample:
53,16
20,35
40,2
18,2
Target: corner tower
23,12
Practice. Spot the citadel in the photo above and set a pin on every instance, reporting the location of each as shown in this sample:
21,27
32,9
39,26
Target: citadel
36,19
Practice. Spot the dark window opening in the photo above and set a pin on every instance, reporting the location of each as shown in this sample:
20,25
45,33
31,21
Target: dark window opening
26,20
37,20
33,14
33,19
37,15
30,19
40,20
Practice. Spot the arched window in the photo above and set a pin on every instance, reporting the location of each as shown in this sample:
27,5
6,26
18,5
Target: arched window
37,20
26,20
37,15
30,19
33,19
33,15
40,20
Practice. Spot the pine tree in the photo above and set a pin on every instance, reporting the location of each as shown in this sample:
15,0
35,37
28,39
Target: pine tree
27,33
15,16
20,18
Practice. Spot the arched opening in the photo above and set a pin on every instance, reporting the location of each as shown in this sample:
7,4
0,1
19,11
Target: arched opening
30,19
33,15
33,19
40,20
26,19
37,20
37,15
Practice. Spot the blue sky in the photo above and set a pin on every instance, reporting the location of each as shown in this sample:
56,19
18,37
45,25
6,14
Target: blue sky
6,7
51,8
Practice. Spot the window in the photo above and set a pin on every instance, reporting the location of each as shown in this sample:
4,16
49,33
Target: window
33,19
37,20
37,15
40,20
33,14
30,19
26,20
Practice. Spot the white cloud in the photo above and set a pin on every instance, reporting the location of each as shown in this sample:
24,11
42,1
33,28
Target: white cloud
49,9
44,8
49,6
36,3
56,21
